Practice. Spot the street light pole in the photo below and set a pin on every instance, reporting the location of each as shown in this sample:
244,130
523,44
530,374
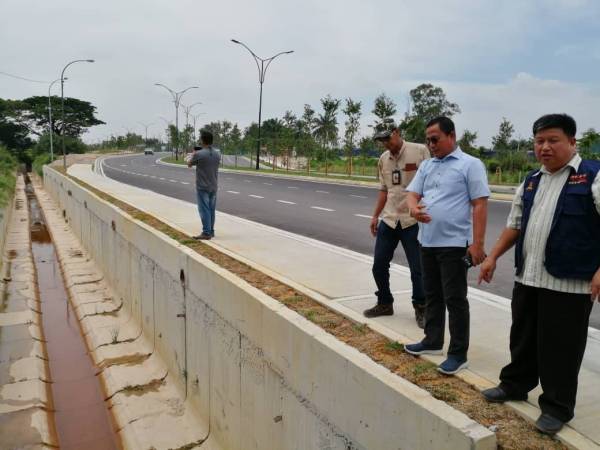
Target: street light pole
195,116
176,100
50,119
62,104
262,70
146,125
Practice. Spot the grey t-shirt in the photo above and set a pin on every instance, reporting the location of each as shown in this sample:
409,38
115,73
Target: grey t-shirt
207,162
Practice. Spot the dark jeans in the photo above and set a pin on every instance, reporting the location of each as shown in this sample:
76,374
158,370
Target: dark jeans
445,281
385,245
547,341
207,203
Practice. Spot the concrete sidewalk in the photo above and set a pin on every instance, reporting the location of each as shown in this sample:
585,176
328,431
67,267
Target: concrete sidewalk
342,279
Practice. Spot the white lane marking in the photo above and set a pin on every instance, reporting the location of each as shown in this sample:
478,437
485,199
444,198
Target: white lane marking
254,196
174,181
233,192
268,184
152,176
358,196
248,181
144,174
362,215
286,202
160,178
322,192
322,209
123,165
292,187
184,182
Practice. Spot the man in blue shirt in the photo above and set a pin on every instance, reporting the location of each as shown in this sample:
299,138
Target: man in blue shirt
448,197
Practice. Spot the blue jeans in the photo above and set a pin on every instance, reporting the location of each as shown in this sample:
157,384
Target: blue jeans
385,245
207,203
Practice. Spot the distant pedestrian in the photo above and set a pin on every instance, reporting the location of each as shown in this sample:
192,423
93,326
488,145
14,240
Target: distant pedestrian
397,167
206,159
555,223
448,196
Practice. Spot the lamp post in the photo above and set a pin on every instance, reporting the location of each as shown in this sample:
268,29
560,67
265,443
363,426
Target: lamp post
195,117
50,119
187,109
176,100
146,125
62,104
262,70
167,134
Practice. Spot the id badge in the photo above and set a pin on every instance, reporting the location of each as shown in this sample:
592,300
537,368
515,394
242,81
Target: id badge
396,177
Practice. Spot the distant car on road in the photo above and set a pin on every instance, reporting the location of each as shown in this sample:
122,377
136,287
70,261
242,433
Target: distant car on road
148,151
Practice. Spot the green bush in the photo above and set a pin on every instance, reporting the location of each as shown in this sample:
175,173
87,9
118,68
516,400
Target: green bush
39,162
8,166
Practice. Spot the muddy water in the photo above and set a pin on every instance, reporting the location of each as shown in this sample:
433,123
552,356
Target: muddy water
81,418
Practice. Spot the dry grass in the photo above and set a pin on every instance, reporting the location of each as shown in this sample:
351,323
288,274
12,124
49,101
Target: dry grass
512,431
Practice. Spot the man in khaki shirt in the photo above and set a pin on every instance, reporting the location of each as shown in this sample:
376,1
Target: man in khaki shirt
397,167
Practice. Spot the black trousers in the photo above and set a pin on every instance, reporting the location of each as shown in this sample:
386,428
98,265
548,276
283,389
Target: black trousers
445,283
547,342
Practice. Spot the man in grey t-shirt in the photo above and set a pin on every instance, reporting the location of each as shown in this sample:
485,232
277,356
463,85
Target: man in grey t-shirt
207,161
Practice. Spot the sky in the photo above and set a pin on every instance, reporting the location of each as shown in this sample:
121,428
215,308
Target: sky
515,59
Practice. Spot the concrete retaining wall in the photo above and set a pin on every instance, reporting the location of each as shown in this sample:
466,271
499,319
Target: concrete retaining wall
261,375
5,214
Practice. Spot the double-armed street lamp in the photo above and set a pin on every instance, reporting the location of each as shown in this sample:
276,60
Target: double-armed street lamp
50,119
62,103
262,70
146,126
176,100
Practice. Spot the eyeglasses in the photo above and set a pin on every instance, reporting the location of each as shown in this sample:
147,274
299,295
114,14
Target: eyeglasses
432,140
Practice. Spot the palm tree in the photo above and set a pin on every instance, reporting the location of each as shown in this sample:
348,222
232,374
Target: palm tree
326,129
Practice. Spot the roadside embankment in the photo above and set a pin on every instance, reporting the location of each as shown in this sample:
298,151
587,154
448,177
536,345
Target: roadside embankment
258,374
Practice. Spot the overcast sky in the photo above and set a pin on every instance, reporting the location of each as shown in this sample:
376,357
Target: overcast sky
513,58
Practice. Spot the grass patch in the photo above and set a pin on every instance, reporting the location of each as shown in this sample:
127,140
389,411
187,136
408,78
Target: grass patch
394,346
514,432
8,179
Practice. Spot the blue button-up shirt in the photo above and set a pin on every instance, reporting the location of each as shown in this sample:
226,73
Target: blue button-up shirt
447,186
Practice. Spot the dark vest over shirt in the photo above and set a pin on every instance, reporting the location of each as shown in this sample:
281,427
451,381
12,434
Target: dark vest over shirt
573,246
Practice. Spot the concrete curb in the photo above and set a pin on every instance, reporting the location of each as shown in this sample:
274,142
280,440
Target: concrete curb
498,192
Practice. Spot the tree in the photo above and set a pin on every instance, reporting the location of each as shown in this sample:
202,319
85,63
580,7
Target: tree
32,113
467,142
326,129
501,142
426,102
589,139
384,110
352,124
305,128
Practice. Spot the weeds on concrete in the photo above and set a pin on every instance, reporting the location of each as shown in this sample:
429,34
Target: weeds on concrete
114,334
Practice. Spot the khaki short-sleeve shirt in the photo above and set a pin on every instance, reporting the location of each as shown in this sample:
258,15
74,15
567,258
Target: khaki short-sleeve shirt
407,162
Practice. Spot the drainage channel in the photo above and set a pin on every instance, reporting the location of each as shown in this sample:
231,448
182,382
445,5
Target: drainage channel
81,417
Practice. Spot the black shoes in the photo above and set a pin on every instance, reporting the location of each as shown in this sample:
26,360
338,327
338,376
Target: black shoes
420,315
379,310
498,395
203,237
548,424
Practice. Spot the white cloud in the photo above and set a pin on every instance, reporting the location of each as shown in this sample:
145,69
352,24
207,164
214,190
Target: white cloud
343,48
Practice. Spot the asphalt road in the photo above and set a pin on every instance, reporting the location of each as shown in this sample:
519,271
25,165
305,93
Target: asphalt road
333,213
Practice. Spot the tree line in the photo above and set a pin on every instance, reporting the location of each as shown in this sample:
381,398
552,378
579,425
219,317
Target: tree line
314,134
